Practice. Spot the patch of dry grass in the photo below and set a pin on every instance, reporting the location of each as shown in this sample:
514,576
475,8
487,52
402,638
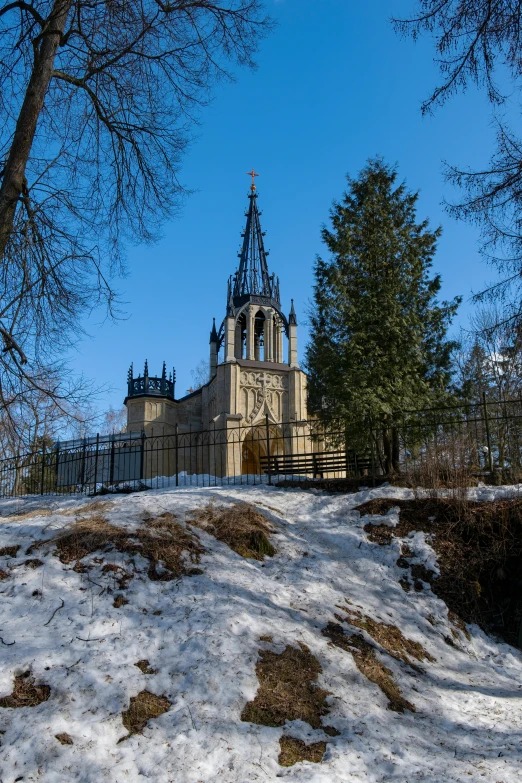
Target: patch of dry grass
293,751
164,542
25,693
241,526
120,601
9,551
3,575
287,690
21,515
369,665
145,667
64,738
142,708
389,637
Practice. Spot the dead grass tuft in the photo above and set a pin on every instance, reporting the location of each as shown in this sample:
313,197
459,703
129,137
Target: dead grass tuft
145,667
120,601
9,551
287,690
3,575
64,738
293,751
33,563
25,693
88,508
241,526
389,637
142,708
20,515
369,665
164,542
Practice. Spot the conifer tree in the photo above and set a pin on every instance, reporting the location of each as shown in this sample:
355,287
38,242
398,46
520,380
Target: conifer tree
378,332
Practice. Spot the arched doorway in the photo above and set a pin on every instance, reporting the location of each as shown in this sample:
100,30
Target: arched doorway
255,446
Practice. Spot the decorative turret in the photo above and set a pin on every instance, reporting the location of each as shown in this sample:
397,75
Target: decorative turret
292,337
214,347
145,385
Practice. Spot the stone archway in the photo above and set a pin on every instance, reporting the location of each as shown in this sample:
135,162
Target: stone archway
254,447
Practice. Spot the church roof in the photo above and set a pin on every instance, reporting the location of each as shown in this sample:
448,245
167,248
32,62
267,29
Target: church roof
252,277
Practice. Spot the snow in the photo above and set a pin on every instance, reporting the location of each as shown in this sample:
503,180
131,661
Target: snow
204,646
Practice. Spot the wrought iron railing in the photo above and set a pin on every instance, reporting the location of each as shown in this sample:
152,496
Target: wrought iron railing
482,440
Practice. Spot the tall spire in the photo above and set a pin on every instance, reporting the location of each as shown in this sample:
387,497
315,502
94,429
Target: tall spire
252,277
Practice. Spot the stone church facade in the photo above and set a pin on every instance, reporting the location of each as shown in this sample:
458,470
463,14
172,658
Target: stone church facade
254,383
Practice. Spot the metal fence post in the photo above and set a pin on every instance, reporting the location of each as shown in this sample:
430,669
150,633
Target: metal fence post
268,449
176,442
111,468
56,465
43,470
96,461
486,419
142,454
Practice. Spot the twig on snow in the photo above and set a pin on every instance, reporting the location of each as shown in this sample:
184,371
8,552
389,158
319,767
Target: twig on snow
100,639
56,610
7,644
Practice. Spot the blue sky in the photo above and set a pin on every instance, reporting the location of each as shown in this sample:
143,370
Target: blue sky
334,86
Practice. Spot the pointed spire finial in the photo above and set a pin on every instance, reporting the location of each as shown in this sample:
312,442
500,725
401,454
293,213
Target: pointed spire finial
253,175
130,373
164,372
146,369
213,333
292,318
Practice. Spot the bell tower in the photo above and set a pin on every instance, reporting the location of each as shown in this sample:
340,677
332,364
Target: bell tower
255,327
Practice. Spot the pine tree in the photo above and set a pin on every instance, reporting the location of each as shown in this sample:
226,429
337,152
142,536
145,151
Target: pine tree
378,333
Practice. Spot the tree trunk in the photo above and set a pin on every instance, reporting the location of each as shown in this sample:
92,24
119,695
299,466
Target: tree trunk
395,450
387,449
14,172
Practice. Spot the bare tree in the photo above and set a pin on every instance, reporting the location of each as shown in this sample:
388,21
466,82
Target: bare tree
97,102
478,42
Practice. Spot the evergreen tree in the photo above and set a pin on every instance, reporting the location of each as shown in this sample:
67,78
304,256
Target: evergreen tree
378,333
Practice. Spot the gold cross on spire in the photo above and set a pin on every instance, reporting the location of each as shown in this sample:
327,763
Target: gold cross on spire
253,175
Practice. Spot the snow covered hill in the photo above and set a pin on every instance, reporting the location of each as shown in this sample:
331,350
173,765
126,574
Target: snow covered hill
73,630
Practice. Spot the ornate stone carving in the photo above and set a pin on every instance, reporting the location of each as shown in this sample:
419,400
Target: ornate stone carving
268,390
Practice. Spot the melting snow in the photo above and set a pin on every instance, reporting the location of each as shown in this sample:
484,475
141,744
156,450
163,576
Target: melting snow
201,637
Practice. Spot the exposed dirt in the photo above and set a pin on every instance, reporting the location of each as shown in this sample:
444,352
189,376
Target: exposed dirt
142,708
25,693
241,526
368,664
120,601
293,751
287,690
479,551
164,542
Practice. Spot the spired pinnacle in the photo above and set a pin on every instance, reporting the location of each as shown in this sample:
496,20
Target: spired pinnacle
292,318
213,333
252,277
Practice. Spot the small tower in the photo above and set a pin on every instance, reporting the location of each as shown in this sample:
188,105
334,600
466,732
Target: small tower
255,324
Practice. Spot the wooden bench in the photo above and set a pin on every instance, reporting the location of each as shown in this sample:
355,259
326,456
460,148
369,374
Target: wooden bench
317,464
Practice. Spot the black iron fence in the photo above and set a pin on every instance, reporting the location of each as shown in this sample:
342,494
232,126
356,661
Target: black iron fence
427,447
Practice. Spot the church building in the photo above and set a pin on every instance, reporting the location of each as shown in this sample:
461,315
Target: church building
257,382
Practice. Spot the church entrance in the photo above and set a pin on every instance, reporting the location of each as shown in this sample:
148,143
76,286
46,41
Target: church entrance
255,446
